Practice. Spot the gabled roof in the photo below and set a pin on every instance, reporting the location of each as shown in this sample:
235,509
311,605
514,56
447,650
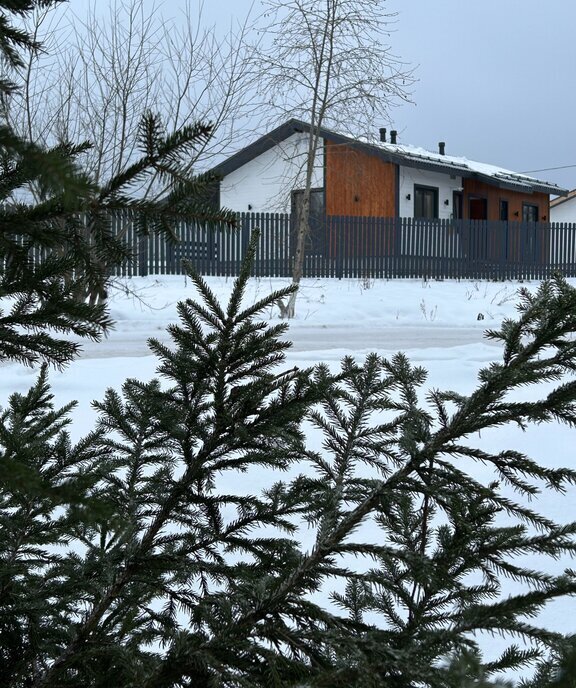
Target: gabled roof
408,156
558,201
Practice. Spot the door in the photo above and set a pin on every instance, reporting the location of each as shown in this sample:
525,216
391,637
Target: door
477,208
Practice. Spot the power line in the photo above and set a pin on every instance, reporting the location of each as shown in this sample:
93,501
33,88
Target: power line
548,169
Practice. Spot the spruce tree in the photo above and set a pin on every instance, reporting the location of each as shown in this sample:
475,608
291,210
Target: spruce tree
154,557
57,244
448,541
133,559
558,670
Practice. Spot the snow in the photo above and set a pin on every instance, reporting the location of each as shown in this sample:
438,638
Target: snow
439,324
464,164
459,163
435,322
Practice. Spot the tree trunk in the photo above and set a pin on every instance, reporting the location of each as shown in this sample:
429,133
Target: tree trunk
302,234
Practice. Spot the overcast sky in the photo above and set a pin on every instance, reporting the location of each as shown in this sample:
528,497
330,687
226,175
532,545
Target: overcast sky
496,78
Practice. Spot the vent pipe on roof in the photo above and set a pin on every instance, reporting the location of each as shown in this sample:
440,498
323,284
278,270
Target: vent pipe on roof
383,134
442,148
393,135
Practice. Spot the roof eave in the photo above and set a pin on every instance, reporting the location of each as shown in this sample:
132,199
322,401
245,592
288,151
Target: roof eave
550,189
293,126
529,186
430,166
261,145
555,202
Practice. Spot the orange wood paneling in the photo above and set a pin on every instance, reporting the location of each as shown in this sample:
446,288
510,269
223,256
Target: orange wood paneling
515,199
358,183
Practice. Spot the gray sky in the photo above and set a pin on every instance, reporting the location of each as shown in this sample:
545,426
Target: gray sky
496,79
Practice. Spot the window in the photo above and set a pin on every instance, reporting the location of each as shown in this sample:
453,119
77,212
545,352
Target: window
316,203
457,204
316,240
503,210
426,202
529,212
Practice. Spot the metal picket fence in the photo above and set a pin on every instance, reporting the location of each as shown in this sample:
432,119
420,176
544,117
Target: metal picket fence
357,247
366,247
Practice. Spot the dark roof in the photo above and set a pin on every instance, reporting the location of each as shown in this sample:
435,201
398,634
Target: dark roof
408,156
558,201
263,144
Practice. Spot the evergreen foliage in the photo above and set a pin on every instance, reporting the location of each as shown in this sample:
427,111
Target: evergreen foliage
193,537
559,669
57,243
139,556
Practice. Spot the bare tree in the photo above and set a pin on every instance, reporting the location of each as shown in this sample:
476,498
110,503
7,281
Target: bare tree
98,73
328,63
101,70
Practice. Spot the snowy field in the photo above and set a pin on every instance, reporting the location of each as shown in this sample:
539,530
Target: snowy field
438,324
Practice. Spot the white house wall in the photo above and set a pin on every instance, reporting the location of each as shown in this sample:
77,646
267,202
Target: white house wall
410,176
564,212
561,242
265,183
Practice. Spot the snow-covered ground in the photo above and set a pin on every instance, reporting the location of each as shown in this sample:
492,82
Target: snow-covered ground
439,324
436,323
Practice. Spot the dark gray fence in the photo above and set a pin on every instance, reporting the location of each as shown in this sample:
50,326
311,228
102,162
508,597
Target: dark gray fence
365,247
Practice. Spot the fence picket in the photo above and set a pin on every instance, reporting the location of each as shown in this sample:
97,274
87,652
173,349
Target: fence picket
359,247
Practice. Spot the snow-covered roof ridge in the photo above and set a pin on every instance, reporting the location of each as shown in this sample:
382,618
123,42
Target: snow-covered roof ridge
417,153
399,154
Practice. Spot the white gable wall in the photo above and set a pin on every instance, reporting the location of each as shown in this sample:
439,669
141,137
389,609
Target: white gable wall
265,183
564,212
410,176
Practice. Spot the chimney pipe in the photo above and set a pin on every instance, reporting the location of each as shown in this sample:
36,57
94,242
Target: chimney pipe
393,135
383,134
442,148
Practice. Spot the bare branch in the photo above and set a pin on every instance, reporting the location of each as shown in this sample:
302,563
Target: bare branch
105,70
328,63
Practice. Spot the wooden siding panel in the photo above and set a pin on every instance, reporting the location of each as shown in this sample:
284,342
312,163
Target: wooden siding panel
358,184
494,195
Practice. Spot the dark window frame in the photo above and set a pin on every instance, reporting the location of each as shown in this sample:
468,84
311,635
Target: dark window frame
535,207
316,239
313,190
501,203
457,205
436,191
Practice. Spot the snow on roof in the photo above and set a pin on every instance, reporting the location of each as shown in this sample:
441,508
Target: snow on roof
418,154
398,154
557,201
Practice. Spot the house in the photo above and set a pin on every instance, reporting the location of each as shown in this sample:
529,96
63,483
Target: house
386,209
380,178
563,209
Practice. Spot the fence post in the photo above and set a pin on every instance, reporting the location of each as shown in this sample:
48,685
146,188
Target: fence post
399,264
143,255
245,232
338,225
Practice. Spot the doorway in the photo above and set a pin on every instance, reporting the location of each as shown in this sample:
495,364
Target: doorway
477,208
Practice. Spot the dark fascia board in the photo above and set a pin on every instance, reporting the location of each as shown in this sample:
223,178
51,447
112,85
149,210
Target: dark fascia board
280,134
293,126
507,185
555,202
261,145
